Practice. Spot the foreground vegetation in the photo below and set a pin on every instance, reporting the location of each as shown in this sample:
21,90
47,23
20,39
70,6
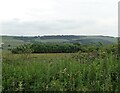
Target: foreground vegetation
94,70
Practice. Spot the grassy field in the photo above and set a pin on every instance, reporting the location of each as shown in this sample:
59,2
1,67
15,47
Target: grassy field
9,40
96,70
60,72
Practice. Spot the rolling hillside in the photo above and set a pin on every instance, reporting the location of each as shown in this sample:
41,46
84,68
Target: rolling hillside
14,41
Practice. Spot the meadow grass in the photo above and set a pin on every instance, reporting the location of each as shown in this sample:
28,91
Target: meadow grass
59,72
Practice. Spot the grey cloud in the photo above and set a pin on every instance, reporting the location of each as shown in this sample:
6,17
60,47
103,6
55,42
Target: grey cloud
18,27
41,27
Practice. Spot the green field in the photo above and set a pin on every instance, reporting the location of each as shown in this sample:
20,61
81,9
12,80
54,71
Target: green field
60,72
91,69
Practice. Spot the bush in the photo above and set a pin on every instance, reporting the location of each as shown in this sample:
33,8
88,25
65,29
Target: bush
46,48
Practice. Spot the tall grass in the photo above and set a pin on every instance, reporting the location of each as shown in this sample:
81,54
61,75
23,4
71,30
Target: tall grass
60,72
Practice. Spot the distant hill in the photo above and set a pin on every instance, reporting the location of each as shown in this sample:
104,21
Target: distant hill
13,41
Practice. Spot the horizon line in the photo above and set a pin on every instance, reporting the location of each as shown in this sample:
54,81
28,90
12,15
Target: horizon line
57,35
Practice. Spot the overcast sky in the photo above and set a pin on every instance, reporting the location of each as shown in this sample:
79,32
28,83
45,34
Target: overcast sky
59,17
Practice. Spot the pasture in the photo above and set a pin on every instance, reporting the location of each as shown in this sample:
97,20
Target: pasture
60,72
90,68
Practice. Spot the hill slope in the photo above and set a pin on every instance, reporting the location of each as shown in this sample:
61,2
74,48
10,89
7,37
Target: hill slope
14,41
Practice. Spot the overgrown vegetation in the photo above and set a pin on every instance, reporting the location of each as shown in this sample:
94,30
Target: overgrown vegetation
91,69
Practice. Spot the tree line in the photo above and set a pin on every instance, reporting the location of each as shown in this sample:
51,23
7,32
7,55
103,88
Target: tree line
63,48
46,48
